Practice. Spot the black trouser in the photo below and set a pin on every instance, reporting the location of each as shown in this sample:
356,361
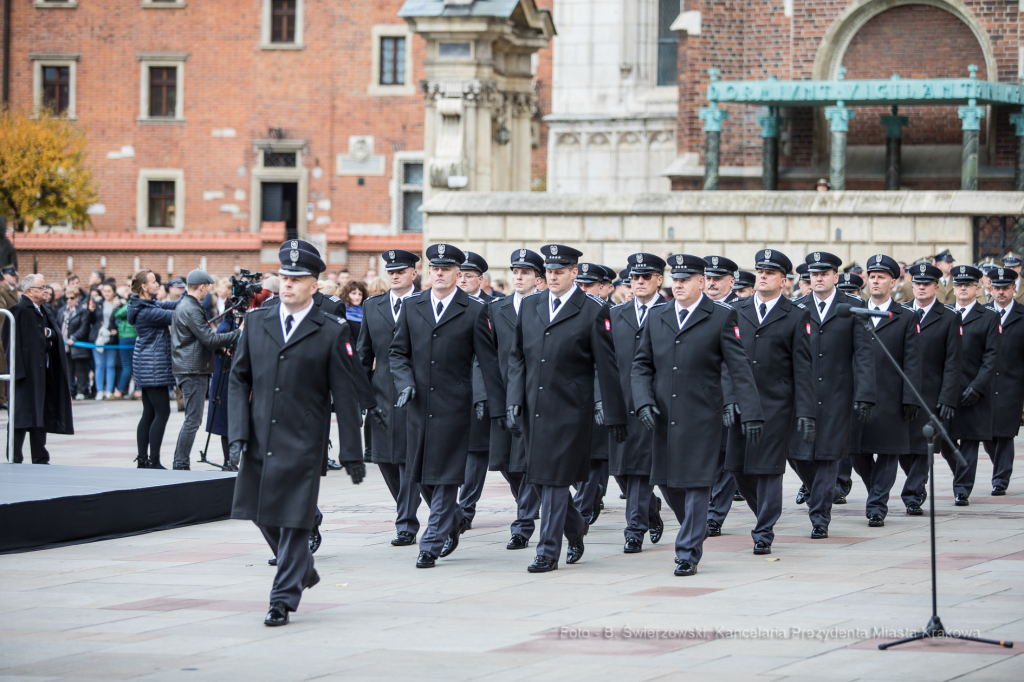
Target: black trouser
590,491
1000,451
79,370
844,478
690,505
473,487
763,493
879,474
527,503
294,562
37,442
819,477
156,410
916,469
559,516
963,475
722,492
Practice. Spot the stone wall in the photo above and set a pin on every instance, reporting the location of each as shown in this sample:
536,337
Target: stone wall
608,227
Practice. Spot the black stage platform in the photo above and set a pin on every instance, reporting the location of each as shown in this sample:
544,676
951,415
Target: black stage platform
42,506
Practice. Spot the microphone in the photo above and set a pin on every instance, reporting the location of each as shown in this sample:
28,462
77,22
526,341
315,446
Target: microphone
847,310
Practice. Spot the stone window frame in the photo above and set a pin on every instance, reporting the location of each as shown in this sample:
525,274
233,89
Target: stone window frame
175,175
266,24
40,60
377,32
298,174
50,4
399,186
164,4
148,60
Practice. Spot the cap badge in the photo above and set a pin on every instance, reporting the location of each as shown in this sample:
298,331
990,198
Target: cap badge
554,250
295,243
522,253
294,255
440,249
586,267
639,258
817,257
679,260
767,254
1000,273
963,269
878,259
714,261
391,255
846,277
922,268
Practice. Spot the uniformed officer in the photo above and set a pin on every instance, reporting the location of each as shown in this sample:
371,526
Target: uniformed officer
944,262
388,447
677,389
972,423
631,460
560,338
903,292
886,435
844,387
744,286
804,281
776,335
439,332
278,411
850,283
508,454
1008,402
1014,262
984,295
719,282
939,340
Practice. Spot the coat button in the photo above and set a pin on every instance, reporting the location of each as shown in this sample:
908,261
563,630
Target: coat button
277,390
673,423
435,336
430,416
677,343
819,379
674,368
431,389
754,362
547,333
673,395
431,362
536,416
270,454
820,355
280,357
543,360
819,403
540,388
757,336
273,421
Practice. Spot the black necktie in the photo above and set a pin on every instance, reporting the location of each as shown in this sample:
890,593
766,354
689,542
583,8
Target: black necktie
682,315
764,311
288,324
877,308
398,305
440,308
643,313
962,311
821,307
555,303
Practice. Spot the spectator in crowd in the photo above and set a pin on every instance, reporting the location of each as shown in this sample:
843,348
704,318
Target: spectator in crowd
96,278
499,286
151,364
332,277
41,386
271,286
377,286
192,346
9,294
8,297
216,301
74,282
125,337
75,328
161,292
353,296
370,275
8,254
343,278
823,185
327,288
217,412
175,288
104,333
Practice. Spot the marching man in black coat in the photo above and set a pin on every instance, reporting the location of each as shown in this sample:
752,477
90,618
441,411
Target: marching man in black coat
508,454
939,339
632,459
388,445
561,336
291,361
677,389
776,335
844,387
886,435
982,338
1009,388
439,331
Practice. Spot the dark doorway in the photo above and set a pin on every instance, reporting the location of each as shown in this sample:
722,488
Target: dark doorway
994,236
281,204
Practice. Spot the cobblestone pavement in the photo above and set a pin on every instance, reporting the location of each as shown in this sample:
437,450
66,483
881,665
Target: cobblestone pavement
188,604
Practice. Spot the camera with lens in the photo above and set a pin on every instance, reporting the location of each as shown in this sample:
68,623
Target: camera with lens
244,288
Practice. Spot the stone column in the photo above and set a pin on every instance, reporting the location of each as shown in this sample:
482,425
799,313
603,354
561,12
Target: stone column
839,123
971,116
893,143
770,151
712,117
1017,120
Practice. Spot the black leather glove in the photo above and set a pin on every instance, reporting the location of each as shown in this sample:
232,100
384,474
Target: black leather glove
909,412
357,470
500,421
511,414
479,407
730,415
752,431
946,412
806,427
618,432
863,411
646,415
599,413
405,396
969,397
379,417
236,451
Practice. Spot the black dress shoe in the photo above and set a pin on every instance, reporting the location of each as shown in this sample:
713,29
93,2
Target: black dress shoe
450,544
914,509
426,560
657,525
542,564
714,528
802,494
368,455
277,615
998,492
593,518
738,497
819,533
314,539
622,496
876,521
575,551
536,515
632,546
518,542
685,568
272,561
839,498
332,465
404,538
961,500
465,524
311,580
762,547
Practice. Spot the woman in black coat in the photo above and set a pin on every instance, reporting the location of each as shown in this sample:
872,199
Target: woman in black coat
76,325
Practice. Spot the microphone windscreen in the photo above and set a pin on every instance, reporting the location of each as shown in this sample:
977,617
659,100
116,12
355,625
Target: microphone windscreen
843,310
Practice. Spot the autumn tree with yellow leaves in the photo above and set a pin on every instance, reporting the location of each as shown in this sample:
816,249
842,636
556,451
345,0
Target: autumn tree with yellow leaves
44,174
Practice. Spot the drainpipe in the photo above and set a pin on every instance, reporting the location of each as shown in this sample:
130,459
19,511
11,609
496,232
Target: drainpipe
7,50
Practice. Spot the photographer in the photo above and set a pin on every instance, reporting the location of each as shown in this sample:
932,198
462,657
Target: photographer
192,347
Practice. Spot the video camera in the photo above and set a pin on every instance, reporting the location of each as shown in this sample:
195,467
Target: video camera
243,289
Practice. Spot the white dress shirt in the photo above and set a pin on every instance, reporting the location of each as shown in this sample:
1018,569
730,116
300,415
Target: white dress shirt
1002,311
517,301
689,310
884,308
967,308
822,312
927,309
434,300
552,310
640,317
768,306
297,318
392,298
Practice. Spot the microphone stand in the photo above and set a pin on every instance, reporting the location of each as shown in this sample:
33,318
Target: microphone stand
935,433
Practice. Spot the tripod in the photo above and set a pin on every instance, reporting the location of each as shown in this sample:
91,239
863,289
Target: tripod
935,433
225,368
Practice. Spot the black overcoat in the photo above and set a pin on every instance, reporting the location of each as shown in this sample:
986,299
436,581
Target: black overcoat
42,389
981,343
632,457
887,432
280,401
780,355
437,359
551,375
939,342
388,445
480,429
1009,388
506,452
680,371
844,372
